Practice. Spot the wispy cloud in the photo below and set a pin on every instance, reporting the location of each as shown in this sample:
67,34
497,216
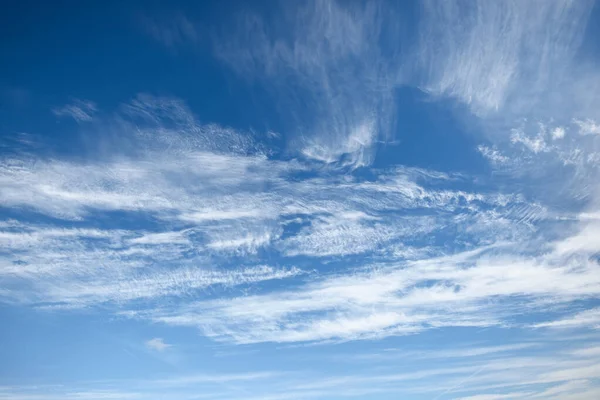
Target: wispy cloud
588,126
487,55
394,300
326,45
173,30
588,318
518,372
157,344
79,110
218,196
202,226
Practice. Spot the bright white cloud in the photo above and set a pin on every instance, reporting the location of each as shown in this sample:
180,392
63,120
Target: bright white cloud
558,133
394,300
490,54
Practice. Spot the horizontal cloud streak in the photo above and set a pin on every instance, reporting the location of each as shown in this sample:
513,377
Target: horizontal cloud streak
221,200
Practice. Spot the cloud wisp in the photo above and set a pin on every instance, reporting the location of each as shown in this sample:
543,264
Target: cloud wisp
223,200
311,58
260,241
501,55
79,110
514,371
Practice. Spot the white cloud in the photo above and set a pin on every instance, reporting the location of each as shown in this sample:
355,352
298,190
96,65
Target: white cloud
588,318
249,243
206,202
586,240
200,378
72,268
493,155
512,395
570,386
227,200
590,352
116,287
551,374
79,110
161,238
157,344
478,351
393,300
499,55
535,145
587,126
336,235
214,215
558,133
356,150
313,68
216,196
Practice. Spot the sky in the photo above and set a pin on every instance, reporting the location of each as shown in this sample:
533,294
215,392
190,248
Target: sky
300,200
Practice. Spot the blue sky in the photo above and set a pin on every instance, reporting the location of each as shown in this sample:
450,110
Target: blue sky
300,200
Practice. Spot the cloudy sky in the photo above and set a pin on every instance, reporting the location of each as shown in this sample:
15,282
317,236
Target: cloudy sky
300,200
